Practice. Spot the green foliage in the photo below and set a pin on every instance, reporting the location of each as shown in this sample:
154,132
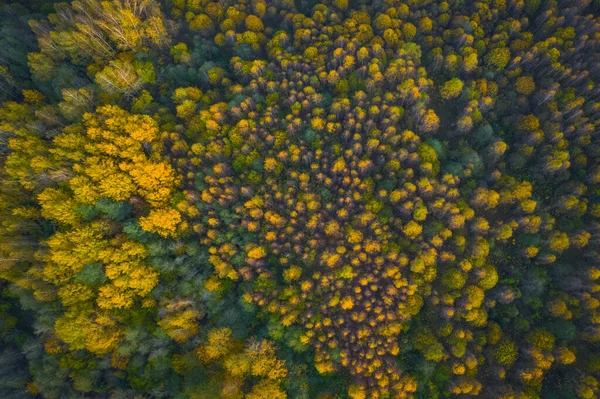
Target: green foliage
541,339
427,343
453,279
451,88
497,58
91,274
506,353
428,154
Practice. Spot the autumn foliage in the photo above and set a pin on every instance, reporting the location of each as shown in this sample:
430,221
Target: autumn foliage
297,199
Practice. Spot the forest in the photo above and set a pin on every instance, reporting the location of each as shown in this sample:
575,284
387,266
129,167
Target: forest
300,199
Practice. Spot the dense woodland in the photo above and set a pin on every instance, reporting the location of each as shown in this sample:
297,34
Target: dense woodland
309,199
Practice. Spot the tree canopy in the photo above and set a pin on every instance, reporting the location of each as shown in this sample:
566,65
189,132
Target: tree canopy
300,199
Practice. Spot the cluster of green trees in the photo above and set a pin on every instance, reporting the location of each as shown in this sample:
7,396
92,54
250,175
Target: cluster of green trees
296,199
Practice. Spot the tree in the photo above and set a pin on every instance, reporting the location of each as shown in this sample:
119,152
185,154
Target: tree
525,85
506,353
453,279
375,198
498,58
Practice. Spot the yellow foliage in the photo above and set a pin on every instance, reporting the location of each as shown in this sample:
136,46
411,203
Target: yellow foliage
181,324
412,229
57,205
220,342
324,367
266,389
74,293
155,181
68,252
161,221
264,360
565,356
95,332
111,297
347,303
238,364
292,273
354,237
257,253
